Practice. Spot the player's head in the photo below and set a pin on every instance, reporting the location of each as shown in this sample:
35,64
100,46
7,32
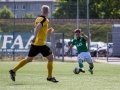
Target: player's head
45,10
77,33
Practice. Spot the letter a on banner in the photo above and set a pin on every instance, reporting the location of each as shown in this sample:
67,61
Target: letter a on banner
18,41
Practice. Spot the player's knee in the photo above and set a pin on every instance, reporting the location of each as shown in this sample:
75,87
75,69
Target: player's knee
91,64
50,57
29,59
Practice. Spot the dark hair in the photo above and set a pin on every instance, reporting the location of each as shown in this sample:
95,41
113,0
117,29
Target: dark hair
77,30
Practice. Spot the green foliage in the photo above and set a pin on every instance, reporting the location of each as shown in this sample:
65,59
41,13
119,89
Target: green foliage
19,27
104,9
0,29
6,13
67,29
68,9
28,15
98,32
98,9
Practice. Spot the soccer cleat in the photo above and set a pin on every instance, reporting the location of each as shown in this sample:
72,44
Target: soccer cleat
82,70
90,71
12,75
52,80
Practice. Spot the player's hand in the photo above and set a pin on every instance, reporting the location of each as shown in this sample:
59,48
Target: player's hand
82,33
51,30
33,40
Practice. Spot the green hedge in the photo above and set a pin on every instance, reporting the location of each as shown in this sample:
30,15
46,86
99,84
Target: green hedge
98,32
19,27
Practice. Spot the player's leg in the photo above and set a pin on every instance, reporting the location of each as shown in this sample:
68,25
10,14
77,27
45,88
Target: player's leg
80,62
58,52
22,63
90,62
46,52
32,52
50,65
50,68
91,65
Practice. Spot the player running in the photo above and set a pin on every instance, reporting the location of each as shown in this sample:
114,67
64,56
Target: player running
83,54
39,45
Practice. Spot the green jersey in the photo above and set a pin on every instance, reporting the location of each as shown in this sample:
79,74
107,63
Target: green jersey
80,45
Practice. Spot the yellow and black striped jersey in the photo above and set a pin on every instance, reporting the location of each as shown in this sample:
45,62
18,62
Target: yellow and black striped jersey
42,33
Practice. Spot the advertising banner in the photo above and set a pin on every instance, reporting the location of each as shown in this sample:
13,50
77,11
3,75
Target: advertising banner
15,42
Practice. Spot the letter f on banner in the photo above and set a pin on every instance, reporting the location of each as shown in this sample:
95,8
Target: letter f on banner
6,41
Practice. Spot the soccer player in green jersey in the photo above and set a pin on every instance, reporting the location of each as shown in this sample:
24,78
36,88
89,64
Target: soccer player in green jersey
83,54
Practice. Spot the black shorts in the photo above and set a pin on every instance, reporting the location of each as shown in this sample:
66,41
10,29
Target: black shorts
35,50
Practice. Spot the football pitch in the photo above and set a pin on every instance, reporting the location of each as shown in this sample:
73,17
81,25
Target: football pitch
33,77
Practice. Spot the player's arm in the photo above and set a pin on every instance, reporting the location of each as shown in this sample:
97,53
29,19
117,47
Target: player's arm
36,29
70,47
85,36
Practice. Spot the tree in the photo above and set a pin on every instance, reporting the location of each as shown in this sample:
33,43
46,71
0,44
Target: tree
105,8
68,9
98,9
6,13
28,15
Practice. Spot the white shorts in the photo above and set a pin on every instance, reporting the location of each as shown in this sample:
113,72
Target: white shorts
85,56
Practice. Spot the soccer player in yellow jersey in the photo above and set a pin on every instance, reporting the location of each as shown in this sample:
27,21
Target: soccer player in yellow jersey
39,45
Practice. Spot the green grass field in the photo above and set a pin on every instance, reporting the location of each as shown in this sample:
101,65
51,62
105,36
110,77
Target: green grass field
33,77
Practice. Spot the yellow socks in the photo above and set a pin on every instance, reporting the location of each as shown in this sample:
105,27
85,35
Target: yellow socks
50,68
20,64
24,61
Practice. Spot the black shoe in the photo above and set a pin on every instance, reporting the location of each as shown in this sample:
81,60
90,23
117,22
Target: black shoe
12,75
90,71
82,70
52,80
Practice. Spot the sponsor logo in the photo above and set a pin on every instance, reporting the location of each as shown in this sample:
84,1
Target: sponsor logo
18,43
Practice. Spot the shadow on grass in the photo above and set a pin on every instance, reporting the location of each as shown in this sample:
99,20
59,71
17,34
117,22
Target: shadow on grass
15,84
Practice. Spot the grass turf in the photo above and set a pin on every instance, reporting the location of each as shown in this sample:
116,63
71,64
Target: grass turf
33,77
